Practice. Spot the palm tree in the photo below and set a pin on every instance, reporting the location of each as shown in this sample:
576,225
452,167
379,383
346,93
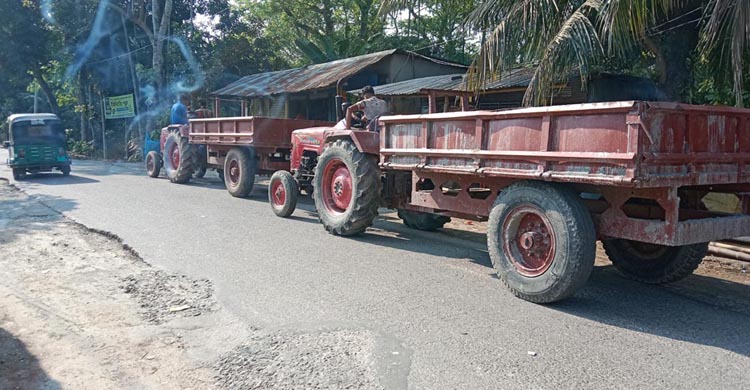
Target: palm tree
558,37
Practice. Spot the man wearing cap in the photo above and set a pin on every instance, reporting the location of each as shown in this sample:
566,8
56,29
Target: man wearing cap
371,105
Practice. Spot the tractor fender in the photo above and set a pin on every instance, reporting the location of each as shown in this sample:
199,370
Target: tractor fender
367,142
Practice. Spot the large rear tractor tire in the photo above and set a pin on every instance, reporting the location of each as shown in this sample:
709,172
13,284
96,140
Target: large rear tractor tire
65,170
652,263
283,193
179,159
422,221
347,189
153,163
239,171
541,240
19,173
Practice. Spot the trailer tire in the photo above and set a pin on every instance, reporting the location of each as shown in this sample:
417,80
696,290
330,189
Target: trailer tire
65,170
179,159
283,193
19,173
541,240
239,171
422,221
346,189
652,263
153,163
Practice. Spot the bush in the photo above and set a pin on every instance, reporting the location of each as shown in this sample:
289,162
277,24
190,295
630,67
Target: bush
81,149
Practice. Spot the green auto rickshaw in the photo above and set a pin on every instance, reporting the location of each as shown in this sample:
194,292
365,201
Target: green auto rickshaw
36,143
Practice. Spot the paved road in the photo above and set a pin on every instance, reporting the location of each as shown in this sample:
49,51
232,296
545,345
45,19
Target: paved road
441,320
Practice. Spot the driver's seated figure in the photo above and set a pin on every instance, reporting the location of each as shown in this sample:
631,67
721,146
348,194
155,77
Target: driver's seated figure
372,106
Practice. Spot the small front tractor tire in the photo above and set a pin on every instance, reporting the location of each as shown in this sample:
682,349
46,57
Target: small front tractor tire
347,189
179,159
19,173
652,263
283,193
153,163
239,171
541,240
65,170
422,221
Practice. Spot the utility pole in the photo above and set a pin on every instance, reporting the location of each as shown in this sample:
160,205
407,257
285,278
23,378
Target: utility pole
104,130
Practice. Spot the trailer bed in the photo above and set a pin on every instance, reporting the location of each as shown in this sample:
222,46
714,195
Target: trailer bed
633,144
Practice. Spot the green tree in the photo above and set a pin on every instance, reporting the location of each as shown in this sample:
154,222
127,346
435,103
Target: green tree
28,45
670,37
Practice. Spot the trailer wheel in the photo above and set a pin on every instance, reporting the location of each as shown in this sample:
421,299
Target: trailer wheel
541,240
239,172
653,263
19,173
65,170
422,221
178,159
347,189
153,163
283,193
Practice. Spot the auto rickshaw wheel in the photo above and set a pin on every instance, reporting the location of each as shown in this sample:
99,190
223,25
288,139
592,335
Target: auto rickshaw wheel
19,173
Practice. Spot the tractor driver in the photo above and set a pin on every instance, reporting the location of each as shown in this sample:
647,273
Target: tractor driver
371,105
179,114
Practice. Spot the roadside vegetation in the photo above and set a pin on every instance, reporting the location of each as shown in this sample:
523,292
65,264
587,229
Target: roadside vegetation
64,56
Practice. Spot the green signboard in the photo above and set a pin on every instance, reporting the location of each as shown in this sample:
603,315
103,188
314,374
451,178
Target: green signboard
116,107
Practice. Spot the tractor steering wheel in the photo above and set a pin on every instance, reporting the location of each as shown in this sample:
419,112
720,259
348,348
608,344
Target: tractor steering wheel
358,122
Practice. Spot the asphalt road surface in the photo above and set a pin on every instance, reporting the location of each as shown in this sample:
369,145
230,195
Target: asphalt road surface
442,320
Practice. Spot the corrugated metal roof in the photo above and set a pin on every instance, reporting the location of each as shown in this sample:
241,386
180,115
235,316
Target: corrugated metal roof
307,78
516,78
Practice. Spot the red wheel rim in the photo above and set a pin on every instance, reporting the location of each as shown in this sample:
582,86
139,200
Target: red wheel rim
337,186
234,172
174,156
528,240
278,194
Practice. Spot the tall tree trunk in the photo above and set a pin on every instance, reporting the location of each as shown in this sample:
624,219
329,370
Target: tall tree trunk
673,48
160,19
46,89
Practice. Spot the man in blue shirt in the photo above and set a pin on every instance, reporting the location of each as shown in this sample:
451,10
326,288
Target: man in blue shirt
179,112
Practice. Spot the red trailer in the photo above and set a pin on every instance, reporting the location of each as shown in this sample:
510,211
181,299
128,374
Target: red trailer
240,146
550,181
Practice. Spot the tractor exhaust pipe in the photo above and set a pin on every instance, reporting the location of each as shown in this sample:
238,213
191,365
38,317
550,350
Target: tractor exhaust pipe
339,100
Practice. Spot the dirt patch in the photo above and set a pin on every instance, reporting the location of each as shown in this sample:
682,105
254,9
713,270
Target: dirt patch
163,297
78,309
64,318
339,359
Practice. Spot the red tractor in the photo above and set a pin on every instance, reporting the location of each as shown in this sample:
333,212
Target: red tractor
178,157
241,147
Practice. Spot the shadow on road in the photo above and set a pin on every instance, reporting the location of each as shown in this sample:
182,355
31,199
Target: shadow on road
56,179
700,310
19,369
20,213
